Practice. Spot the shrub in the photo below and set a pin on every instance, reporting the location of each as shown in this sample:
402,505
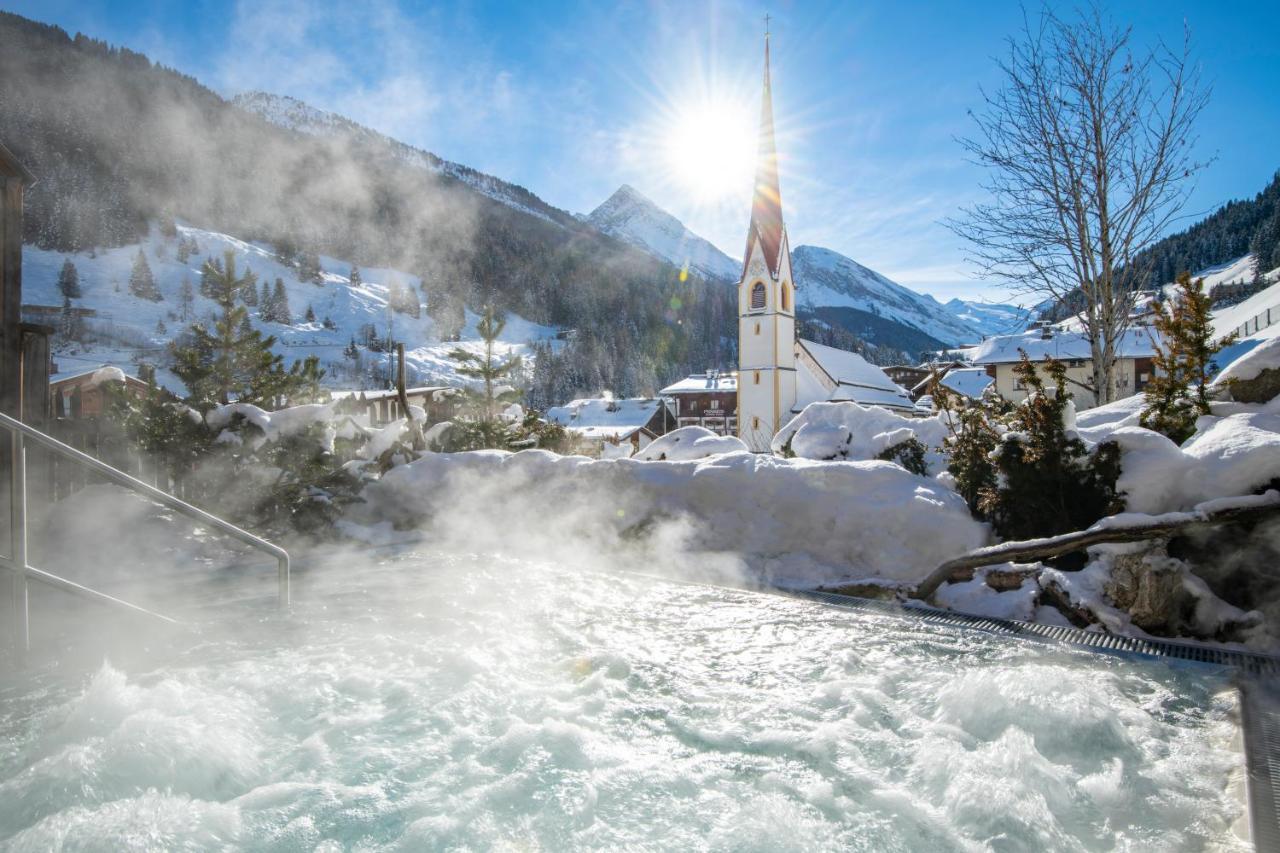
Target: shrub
908,453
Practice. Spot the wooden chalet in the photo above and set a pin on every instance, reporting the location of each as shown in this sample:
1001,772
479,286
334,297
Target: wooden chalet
707,400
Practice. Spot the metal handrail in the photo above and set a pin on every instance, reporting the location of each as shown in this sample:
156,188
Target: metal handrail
18,564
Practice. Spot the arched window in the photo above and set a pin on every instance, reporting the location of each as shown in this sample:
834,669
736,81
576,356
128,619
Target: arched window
786,297
757,296
757,377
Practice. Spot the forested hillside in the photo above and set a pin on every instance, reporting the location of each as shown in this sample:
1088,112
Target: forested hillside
1237,228
117,141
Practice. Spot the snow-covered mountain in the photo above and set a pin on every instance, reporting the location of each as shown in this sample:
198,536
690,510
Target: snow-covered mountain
990,318
631,217
293,114
124,328
827,279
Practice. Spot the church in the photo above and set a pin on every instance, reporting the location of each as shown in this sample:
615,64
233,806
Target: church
778,373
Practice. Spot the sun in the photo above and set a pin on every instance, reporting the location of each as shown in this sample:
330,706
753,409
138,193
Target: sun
709,149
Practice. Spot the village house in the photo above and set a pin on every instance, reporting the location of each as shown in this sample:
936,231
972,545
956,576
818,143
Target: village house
707,400
82,394
1134,351
606,423
381,407
963,379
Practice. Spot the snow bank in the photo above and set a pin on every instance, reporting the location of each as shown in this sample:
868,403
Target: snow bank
105,374
849,431
691,442
1265,356
775,520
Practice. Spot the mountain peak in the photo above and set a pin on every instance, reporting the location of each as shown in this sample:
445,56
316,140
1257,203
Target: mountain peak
632,217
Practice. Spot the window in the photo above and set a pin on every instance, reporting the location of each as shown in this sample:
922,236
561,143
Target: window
786,297
757,328
715,404
756,377
757,296
755,422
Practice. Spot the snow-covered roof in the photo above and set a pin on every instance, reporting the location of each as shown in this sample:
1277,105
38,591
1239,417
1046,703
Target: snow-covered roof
96,375
1003,349
856,380
969,381
382,394
702,382
598,418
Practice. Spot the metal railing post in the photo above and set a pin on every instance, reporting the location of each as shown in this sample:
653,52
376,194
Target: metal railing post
18,538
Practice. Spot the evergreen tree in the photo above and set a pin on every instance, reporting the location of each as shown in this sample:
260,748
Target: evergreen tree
69,280
266,304
70,324
160,327
491,371
184,250
232,360
310,316
356,280
1178,391
280,311
141,282
328,323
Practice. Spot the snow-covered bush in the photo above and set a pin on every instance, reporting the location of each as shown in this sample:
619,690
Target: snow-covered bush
691,442
848,431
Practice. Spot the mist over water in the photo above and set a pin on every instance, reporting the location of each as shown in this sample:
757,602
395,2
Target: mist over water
437,701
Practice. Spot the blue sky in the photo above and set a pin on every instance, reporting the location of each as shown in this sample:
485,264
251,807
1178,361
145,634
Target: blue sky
573,99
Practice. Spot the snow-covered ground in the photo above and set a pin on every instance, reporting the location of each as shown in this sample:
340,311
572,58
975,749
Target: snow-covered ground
130,328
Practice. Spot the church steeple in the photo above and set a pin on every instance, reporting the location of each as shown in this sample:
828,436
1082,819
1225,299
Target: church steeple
766,299
766,203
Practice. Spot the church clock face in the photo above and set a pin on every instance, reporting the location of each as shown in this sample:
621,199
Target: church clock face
757,268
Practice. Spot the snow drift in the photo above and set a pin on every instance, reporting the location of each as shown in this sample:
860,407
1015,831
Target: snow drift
839,431
787,521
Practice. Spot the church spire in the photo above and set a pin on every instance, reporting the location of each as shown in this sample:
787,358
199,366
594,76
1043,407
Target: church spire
766,203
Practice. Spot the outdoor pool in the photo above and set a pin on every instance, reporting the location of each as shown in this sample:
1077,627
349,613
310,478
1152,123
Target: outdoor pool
429,702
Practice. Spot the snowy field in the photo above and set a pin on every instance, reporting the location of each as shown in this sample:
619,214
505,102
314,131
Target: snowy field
131,324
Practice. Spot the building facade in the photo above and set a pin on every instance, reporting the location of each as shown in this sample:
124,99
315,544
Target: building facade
707,400
1134,366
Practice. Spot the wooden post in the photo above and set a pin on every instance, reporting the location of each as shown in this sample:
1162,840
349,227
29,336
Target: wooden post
415,428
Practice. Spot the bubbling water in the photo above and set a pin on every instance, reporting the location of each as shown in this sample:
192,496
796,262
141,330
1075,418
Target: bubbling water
466,703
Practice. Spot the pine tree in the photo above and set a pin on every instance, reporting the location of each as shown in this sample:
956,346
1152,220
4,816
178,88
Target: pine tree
310,316
490,371
356,280
141,282
160,327
71,325
69,280
328,323
1178,391
266,304
184,250
280,312
233,360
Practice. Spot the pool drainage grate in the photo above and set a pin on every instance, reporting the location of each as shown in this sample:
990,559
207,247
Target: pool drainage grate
1250,663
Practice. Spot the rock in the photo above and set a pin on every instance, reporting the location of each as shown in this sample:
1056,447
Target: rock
1261,389
1148,585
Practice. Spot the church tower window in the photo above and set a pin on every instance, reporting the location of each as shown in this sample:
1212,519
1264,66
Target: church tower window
757,296
786,297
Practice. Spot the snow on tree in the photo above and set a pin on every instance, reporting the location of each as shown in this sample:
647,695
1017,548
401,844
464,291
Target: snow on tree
141,281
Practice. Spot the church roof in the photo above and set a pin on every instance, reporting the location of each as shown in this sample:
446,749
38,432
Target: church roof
855,379
766,202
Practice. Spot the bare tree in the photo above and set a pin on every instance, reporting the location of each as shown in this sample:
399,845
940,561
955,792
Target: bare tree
1089,151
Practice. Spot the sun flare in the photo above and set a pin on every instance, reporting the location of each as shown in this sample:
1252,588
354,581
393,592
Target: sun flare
710,150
